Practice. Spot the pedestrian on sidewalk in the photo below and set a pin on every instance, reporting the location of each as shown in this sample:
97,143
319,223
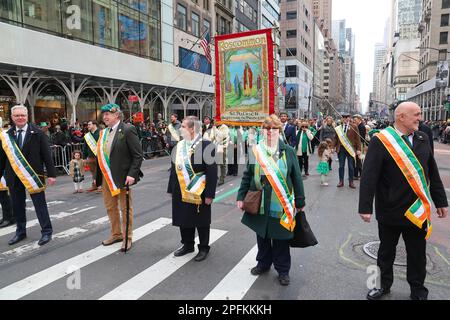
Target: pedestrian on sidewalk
76,171
400,172
323,168
8,218
192,185
303,146
273,168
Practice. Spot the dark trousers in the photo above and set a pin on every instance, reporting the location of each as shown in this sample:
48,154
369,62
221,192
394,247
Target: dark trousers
358,168
416,256
5,201
233,164
330,161
188,238
343,154
276,252
303,161
40,205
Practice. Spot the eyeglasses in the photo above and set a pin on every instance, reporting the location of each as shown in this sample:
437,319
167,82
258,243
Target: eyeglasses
271,129
304,127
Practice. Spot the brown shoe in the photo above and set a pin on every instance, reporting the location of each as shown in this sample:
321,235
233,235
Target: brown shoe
111,241
351,185
341,184
128,244
91,189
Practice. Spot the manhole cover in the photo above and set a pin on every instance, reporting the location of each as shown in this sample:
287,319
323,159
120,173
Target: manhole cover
371,249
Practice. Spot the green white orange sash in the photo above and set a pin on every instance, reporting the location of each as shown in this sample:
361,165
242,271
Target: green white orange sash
191,184
3,186
90,140
105,165
173,132
279,185
411,168
20,165
344,141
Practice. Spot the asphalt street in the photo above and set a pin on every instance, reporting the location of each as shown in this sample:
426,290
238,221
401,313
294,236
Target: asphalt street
74,265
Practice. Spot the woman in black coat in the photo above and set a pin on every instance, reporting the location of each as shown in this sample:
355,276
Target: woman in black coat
191,216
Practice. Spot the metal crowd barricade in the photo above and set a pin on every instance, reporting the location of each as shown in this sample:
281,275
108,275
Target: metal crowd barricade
151,146
59,157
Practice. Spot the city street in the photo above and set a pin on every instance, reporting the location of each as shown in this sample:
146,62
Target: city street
74,265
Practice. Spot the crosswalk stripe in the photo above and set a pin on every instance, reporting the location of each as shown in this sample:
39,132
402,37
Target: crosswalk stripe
140,284
238,281
43,278
35,222
49,204
34,245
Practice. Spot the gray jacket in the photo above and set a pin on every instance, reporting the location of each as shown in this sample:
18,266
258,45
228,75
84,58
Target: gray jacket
327,132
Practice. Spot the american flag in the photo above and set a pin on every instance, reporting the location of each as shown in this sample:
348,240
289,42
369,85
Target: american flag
205,45
283,88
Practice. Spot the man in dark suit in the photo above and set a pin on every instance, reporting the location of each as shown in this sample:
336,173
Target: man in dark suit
383,179
358,121
190,212
35,148
350,131
288,130
124,150
427,130
88,154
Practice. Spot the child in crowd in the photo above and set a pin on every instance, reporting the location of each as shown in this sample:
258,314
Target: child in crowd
76,170
323,167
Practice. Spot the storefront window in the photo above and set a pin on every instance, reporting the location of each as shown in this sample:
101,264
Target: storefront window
131,33
42,14
155,40
77,19
103,23
10,10
144,30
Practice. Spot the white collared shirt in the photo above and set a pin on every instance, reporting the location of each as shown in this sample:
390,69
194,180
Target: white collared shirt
114,127
24,133
410,137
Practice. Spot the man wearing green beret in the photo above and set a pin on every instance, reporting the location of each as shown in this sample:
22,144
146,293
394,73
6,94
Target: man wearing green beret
119,158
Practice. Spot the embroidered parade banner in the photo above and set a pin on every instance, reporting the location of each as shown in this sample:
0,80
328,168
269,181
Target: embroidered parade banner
245,91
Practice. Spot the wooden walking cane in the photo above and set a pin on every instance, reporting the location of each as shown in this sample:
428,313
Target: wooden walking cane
127,188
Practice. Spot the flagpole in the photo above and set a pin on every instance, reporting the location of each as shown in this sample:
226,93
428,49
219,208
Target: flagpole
184,56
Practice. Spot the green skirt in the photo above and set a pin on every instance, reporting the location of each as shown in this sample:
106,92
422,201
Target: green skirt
323,168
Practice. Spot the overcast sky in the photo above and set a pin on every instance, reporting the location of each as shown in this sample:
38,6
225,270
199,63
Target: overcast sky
367,18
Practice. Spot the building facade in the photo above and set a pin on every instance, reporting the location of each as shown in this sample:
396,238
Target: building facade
297,54
104,51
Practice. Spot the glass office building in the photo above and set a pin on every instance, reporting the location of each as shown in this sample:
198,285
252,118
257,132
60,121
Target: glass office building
130,26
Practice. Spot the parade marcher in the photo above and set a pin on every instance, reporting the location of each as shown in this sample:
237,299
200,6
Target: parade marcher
192,184
323,168
173,132
288,133
76,171
327,132
235,141
209,129
5,201
90,152
25,151
358,121
119,155
401,173
303,146
313,128
222,141
427,130
271,162
348,146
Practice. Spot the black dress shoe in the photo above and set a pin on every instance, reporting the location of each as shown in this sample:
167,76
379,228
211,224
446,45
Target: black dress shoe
376,294
45,239
201,256
16,239
284,280
256,271
6,223
183,251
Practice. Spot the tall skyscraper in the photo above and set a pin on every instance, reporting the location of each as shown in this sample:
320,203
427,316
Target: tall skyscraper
322,10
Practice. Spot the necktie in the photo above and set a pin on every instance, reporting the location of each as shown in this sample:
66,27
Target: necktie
110,130
19,139
405,137
345,129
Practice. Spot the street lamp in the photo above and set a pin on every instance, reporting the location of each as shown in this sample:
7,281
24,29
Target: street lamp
432,49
